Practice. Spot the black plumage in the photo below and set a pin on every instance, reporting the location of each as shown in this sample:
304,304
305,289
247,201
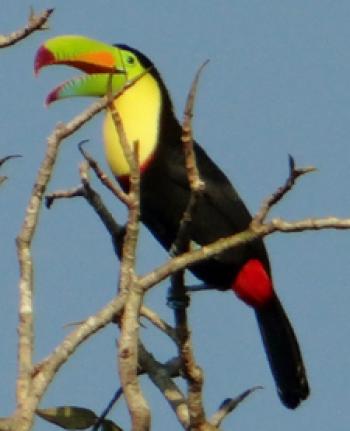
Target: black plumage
219,212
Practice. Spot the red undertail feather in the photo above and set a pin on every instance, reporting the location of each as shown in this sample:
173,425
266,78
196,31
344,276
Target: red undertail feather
253,284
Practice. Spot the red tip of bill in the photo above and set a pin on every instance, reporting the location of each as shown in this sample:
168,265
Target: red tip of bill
53,96
43,58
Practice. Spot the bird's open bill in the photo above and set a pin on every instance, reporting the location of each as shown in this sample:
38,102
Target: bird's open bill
104,66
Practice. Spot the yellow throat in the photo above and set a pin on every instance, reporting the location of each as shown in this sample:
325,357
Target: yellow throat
139,108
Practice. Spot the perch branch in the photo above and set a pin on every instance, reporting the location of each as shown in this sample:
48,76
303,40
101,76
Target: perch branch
256,230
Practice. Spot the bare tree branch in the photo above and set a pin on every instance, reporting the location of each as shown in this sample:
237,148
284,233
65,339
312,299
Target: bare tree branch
35,22
24,242
26,405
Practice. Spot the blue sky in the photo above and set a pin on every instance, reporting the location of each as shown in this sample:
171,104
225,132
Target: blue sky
277,83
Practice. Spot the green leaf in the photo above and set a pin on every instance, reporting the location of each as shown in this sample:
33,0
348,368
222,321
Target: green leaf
69,417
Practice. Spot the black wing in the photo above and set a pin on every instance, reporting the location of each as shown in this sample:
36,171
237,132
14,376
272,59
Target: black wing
219,211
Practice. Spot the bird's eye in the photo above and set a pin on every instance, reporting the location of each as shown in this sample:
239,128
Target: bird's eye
130,60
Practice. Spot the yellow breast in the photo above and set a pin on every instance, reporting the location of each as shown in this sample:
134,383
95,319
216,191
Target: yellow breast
139,107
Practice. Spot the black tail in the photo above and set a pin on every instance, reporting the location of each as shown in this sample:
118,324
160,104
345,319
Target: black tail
283,353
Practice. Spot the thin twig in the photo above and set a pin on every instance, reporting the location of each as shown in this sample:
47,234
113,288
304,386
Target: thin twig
63,194
116,230
106,411
228,405
102,176
6,158
158,322
2,161
35,22
195,181
294,174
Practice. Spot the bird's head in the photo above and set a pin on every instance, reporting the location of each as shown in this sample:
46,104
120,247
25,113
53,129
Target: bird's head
106,67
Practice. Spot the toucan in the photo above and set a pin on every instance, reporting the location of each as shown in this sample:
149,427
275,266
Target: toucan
148,117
